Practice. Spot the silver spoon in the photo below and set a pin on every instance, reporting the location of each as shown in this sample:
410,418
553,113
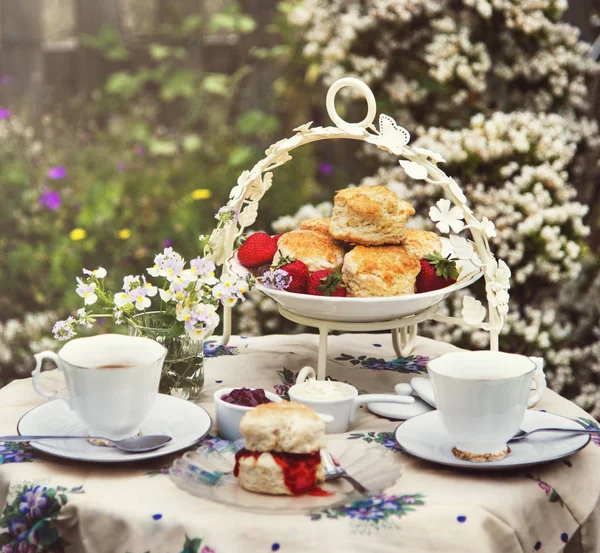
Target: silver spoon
137,444
523,434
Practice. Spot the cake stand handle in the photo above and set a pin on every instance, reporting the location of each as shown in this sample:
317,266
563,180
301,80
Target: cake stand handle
226,326
322,363
403,340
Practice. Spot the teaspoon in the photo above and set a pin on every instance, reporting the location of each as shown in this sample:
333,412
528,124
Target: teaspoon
523,434
137,444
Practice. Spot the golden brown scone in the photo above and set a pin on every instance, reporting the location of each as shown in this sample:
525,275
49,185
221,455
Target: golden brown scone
370,216
318,225
378,271
319,251
421,242
283,426
262,474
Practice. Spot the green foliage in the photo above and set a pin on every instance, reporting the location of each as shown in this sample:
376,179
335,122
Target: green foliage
149,160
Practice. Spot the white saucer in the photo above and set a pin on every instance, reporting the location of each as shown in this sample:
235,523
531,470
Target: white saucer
398,411
186,423
423,388
426,437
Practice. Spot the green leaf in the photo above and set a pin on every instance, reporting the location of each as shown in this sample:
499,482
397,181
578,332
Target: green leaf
216,83
246,24
192,143
255,122
222,21
159,52
162,147
179,84
190,24
124,84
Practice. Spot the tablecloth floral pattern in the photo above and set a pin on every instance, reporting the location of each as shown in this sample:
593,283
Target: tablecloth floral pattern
54,505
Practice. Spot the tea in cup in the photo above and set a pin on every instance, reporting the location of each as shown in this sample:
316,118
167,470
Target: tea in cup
112,381
338,402
482,397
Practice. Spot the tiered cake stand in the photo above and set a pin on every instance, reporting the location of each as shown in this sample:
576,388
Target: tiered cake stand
401,315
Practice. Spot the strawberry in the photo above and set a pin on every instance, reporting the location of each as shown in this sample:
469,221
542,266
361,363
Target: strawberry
258,249
436,272
327,283
297,270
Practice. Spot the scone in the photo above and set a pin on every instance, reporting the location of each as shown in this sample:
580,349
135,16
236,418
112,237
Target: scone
281,455
316,249
318,225
369,216
421,243
378,271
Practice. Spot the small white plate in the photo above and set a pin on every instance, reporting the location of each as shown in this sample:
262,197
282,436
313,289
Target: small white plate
207,472
426,437
398,411
423,388
186,423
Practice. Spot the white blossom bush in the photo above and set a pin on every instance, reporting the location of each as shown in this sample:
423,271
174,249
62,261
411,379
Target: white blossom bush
19,340
502,90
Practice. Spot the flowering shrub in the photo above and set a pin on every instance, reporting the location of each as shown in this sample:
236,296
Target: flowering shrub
502,91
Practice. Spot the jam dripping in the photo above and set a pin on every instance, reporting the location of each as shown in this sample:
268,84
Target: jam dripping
299,469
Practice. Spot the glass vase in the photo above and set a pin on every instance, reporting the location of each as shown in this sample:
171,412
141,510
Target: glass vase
183,369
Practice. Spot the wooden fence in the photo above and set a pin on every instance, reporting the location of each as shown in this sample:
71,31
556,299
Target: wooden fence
43,59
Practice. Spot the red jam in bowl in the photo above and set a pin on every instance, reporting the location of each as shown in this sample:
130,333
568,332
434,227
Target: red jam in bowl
246,397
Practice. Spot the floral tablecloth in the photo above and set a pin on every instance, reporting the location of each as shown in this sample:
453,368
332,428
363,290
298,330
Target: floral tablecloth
53,505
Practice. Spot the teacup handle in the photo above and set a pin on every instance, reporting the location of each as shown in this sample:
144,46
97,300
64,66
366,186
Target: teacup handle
540,382
305,373
39,358
378,398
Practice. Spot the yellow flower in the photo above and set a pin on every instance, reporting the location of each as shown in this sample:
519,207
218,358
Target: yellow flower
124,234
201,194
78,234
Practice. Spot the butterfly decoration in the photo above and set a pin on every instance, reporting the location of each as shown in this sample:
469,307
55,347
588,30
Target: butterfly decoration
391,137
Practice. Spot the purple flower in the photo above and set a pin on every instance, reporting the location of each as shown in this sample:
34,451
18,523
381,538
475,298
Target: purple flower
33,502
139,149
121,166
207,549
5,79
56,173
50,199
545,487
17,527
167,242
4,113
325,168
366,513
277,279
7,548
10,454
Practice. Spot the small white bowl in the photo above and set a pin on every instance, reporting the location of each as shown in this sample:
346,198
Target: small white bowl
229,416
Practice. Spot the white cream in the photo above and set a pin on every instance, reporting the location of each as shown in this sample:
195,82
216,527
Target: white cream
322,389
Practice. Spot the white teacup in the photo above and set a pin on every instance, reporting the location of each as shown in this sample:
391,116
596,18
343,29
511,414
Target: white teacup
112,380
482,397
338,400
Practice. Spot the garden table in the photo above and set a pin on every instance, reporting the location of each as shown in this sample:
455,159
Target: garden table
136,508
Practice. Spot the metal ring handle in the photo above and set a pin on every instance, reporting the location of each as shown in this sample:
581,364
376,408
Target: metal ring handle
368,95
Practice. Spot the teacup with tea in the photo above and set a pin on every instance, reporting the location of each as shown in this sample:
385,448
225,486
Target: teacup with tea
482,397
112,381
